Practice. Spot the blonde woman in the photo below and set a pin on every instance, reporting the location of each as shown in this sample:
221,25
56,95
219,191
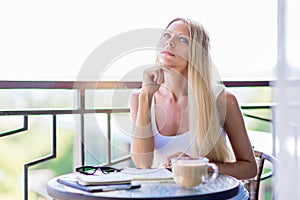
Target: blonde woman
181,110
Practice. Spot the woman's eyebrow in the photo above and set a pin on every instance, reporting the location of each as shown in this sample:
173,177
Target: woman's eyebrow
177,33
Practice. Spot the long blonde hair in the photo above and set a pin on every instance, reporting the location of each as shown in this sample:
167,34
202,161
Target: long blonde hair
205,122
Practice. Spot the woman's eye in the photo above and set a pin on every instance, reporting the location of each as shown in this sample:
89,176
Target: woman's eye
167,35
184,40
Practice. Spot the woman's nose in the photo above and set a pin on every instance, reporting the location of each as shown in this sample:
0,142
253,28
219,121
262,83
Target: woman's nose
170,43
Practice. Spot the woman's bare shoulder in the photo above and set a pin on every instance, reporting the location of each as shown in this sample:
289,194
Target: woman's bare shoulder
226,98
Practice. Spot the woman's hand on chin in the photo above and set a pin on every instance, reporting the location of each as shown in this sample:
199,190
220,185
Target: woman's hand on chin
153,77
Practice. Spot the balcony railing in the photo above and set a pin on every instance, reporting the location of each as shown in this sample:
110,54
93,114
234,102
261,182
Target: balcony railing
80,88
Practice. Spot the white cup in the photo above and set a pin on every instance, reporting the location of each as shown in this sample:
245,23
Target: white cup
191,172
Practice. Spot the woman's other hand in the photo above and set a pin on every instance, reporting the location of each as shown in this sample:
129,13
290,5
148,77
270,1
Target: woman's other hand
175,155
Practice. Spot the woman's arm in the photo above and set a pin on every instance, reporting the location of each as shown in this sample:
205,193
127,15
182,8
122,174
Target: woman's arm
142,145
245,165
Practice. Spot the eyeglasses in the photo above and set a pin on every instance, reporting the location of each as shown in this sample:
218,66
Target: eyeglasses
90,170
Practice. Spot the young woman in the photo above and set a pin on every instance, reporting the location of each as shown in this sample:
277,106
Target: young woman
182,111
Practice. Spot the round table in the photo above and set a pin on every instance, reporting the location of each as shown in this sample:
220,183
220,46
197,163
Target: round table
223,187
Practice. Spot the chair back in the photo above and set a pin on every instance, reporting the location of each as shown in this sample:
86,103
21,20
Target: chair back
252,185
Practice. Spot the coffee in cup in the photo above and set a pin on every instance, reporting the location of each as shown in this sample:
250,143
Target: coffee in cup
191,172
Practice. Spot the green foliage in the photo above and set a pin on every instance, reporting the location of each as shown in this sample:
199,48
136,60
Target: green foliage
16,150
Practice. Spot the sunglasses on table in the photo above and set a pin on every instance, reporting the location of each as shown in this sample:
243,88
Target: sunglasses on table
90,170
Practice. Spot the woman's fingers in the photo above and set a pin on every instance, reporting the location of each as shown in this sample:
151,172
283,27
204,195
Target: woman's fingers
175,155
165,68
161,70
160,77
155,75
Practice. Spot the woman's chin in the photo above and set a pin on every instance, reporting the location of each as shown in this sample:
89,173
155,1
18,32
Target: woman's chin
165,63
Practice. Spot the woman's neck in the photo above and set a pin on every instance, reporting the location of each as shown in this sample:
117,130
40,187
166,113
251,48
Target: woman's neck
176,83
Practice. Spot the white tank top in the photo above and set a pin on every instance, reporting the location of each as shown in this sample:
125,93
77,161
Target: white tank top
165,146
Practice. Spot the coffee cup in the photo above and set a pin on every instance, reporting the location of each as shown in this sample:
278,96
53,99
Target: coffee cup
191,172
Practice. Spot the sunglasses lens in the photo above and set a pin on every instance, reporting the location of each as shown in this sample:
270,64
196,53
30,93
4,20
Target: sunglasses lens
108,170
87,170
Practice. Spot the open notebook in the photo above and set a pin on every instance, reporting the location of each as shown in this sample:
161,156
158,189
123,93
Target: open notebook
159,174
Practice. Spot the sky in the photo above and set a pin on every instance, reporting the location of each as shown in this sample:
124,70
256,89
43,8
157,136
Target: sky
50,40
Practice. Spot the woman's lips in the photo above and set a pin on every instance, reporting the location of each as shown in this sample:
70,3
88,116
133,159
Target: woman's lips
168,53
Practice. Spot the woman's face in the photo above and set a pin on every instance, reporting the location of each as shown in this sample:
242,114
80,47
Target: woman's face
174,46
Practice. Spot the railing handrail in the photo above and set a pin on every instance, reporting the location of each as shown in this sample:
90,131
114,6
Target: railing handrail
68,84
109,84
